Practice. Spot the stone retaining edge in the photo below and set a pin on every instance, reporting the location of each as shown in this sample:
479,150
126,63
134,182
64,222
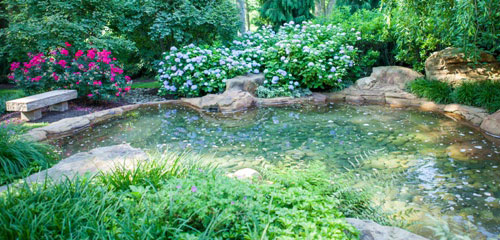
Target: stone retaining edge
471,115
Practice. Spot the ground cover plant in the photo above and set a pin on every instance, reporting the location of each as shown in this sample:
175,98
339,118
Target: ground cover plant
170,199
20,157
93,73
9,94
298,56
484,94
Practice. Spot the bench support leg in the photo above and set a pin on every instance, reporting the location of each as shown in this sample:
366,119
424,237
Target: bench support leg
60,107
31,116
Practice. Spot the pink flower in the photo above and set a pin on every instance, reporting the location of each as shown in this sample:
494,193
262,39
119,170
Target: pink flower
54,75
77,83
14,66
127,89
119,89
36,79
194,189
11,77
79,53
64,51
67,44
90,95
128,78
62,63
118,94
91,54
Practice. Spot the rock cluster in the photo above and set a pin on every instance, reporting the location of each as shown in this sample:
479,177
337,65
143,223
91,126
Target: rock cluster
451,65
372,231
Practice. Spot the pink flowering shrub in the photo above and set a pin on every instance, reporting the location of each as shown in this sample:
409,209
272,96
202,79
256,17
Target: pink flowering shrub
94,74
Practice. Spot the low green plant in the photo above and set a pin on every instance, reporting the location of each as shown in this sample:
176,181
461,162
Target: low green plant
484,94
19,157
436,91
171,197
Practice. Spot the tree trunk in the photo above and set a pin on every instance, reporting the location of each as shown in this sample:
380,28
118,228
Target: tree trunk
331,5
247,11
241,4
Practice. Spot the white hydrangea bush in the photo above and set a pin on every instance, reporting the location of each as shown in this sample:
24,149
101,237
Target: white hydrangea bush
306,56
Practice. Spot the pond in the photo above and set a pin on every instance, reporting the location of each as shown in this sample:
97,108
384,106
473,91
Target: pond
422,166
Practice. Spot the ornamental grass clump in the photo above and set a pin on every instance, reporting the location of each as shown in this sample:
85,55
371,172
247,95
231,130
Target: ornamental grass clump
175,197
94,74
19,157
306,56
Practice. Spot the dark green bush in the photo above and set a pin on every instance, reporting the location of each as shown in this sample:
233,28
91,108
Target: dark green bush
185,201
137,32
436,91
19,157
9,94
484,94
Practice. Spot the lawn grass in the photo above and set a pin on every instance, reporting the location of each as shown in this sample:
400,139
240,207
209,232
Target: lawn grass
9,94
153,84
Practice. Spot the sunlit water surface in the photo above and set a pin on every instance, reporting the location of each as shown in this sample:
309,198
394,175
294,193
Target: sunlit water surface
422,166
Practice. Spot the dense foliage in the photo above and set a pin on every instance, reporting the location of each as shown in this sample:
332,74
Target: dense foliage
19,157
484,94
421,27
9,94
278,12
183,201
136,31
93,73
310,56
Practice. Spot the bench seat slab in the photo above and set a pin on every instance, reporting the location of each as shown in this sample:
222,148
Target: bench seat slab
39,101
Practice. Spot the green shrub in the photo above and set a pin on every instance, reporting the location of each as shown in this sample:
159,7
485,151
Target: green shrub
179,200
484,94
303,56
136,31
436,91
19,157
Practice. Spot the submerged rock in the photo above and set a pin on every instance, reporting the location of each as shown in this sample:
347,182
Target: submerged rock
373,231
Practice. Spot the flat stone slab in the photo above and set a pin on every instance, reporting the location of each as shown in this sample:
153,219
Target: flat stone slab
98,160
38,101
373,231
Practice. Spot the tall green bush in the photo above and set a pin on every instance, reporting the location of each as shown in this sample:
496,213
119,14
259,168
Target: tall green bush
422,27
136,31
278,12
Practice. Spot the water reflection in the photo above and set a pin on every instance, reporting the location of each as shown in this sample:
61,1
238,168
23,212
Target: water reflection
444,171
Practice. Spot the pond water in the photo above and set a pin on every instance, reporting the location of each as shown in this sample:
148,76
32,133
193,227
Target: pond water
422,166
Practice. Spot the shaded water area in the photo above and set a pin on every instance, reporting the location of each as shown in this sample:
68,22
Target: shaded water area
424,167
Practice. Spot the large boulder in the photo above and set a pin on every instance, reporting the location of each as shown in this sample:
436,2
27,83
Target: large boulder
394,76
450,65
98,160
246,83
229,102
491,124
372,231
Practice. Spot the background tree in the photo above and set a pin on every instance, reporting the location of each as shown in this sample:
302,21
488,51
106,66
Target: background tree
278,12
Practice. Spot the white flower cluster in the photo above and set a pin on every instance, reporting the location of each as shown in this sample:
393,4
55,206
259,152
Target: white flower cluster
297,56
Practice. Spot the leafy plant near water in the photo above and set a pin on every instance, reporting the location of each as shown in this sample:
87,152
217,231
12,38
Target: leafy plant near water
19,157
173,199
484,94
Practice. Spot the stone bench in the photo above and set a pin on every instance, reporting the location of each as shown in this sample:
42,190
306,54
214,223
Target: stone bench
31,107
